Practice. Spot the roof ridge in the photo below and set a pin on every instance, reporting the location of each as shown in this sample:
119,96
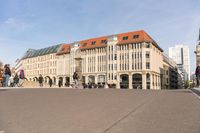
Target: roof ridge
111,35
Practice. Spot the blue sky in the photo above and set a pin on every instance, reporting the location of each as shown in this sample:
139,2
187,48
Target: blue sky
39,23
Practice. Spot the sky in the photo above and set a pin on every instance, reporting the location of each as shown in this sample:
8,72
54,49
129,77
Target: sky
37,24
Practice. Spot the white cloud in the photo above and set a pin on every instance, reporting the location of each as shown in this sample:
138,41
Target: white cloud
13,23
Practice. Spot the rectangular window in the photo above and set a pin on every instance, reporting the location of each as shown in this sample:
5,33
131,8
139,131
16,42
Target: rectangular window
94,42
125,38
147,55
115,56
104,41
167,72
135,36
147,65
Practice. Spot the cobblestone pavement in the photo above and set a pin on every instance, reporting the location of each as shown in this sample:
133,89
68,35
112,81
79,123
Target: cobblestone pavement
98,111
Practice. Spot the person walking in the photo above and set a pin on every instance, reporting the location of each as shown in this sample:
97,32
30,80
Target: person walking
75,77
50,82
21,78
60,82
41,79
197,73
7,74
16,80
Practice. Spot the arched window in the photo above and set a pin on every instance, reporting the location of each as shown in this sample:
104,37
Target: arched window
137,81
124,81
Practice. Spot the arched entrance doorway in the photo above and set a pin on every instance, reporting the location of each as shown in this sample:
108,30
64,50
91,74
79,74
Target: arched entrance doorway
61,79
91,79
101,79
45,79
54,80
35,79
137,81
83,79
67,81
124,81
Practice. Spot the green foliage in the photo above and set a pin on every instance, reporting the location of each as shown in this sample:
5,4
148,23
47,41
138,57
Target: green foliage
186,84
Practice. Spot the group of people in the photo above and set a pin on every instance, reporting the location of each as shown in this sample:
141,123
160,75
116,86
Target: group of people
9,79
41,81
60,81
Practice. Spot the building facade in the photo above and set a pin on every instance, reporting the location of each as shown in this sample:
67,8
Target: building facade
129,60
41,61
18,65
170,74
181,55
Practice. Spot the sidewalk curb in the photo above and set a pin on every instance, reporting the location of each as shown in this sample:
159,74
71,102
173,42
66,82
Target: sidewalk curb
20,88
196,92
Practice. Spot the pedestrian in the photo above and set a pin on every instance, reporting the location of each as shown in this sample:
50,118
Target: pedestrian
50,82
1,77
16,80
21,78
75,77
60,82
41,79
198,75
7,74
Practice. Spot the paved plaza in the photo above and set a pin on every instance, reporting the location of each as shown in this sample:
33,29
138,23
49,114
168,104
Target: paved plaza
98,111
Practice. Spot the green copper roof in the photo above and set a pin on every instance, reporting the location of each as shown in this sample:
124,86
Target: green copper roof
34,53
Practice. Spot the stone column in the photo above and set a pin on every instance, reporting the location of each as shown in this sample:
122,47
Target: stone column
64,81
96,79
144,83
86,79
130,58
118,81
151,81
130,81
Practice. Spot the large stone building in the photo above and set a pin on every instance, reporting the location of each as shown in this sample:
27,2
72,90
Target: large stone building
41,61
128,60
170,74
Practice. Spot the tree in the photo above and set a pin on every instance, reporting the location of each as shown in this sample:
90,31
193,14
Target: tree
187,84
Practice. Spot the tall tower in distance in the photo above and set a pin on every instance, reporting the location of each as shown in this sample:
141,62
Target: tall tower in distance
181,55
197,52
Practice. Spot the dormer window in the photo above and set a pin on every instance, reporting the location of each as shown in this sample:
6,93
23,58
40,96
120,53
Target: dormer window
94,42
135,36
104,41
125,38
85,44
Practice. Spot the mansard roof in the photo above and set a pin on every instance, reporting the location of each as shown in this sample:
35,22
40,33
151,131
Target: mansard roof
39,52
64,49
130,37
